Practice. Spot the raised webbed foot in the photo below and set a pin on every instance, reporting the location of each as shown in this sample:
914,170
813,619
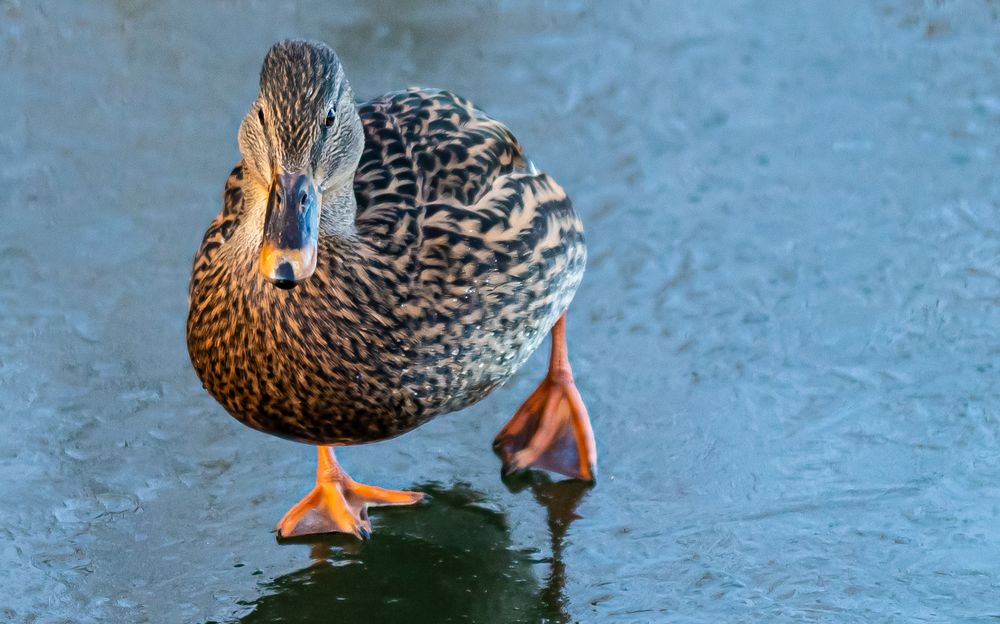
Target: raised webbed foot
551,430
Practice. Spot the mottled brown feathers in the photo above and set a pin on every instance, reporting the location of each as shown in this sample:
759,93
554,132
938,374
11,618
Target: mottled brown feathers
461,263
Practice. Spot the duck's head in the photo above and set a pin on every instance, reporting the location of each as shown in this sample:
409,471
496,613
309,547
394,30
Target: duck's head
301,141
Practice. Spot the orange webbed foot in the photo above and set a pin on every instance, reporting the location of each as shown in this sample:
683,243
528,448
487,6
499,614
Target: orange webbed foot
338,504
551,430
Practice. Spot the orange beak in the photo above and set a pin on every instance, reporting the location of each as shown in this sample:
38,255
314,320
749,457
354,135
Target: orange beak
291,231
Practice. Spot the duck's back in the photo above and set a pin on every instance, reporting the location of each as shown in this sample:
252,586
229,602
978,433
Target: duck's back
498,249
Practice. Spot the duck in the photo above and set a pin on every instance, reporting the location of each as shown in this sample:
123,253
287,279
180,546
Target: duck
376,264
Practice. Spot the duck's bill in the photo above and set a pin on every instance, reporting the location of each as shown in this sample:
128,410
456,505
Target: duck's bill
291,231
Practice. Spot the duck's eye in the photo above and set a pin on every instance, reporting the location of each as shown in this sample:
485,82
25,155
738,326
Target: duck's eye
260,116
329,119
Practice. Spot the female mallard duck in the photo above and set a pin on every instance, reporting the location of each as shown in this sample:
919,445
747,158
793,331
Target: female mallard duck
376,265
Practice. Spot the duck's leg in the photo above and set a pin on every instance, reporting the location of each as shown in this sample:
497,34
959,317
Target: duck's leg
338,503
552,429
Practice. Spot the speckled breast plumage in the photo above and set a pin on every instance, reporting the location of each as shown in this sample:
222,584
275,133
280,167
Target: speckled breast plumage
462,261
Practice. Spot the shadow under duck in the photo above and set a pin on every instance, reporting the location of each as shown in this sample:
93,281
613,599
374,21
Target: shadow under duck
375,265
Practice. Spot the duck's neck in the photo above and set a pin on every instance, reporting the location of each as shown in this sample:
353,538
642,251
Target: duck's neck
338,213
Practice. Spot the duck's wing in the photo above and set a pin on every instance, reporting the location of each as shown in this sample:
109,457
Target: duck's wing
443,179
425,145
221,227
432,159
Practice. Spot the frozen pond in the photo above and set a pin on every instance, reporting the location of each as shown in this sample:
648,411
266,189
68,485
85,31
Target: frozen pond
788,336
